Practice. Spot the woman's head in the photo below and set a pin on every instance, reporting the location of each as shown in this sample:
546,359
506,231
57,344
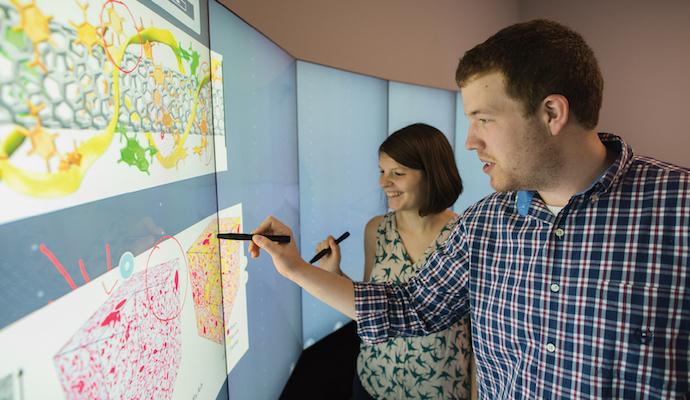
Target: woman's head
418,168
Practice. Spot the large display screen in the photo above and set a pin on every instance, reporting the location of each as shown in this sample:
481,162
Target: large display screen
111,135
131,133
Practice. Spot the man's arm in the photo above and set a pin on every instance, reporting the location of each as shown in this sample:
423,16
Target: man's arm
433,300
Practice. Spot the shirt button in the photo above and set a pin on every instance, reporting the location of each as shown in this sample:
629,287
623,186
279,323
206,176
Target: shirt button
645,335
550,347
559,232
555,287
594,198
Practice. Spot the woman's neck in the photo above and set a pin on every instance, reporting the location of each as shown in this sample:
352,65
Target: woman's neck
410,220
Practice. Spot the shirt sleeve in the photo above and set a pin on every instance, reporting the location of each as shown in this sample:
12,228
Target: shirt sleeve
431,301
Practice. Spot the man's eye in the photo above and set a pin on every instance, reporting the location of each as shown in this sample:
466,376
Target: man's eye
398,173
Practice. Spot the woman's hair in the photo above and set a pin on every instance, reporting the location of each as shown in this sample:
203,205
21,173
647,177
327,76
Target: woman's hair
425,148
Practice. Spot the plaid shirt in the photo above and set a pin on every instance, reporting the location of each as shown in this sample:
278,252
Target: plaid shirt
591,303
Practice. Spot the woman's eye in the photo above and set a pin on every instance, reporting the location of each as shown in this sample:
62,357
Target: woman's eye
398,173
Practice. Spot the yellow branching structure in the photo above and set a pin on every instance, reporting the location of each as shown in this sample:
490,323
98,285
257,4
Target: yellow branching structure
68,180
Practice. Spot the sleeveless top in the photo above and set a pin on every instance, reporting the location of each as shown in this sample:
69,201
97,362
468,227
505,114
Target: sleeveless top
436,366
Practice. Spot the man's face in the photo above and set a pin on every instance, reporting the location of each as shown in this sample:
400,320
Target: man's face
517,151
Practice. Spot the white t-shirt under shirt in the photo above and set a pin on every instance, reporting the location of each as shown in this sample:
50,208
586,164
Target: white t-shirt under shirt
554,209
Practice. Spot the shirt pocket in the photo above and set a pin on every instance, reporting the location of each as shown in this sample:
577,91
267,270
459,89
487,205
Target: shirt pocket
644,340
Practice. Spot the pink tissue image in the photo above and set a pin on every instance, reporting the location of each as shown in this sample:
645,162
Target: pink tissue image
130,347
212,261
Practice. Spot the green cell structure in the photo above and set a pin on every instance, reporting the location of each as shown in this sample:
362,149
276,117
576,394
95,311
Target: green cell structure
134,153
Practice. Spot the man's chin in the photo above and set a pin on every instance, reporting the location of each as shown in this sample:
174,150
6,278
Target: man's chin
496,184
502,186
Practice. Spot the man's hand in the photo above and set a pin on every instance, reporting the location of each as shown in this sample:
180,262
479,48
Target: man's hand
285,256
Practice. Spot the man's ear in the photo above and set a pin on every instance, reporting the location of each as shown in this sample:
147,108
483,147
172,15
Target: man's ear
555,112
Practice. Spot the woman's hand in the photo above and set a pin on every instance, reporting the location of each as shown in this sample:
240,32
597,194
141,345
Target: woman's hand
331,261
335,290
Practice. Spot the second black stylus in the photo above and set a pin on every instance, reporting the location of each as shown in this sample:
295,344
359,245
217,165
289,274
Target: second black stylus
323,252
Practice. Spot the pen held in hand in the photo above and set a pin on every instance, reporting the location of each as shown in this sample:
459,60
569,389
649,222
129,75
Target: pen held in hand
248,236
323,252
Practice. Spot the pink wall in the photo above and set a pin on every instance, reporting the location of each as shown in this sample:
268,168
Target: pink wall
643,48
401,40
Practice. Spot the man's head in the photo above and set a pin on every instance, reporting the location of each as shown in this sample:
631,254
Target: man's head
539,58
522,89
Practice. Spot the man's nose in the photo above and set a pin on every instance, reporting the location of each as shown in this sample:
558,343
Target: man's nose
472,142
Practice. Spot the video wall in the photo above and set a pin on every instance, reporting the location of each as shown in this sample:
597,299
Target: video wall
111,135
131,132
261,131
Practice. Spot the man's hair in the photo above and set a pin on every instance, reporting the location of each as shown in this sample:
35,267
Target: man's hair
539,58
425,148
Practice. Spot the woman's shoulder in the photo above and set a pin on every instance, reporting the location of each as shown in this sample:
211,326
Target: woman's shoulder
374,223
447,220
453,220
381,226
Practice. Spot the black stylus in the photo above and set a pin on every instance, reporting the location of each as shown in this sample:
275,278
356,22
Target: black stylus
248,236
323,252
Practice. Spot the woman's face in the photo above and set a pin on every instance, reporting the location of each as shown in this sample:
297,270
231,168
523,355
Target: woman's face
402,185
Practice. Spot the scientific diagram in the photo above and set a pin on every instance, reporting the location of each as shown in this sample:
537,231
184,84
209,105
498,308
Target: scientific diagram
129,348
100,91
168,323
212,261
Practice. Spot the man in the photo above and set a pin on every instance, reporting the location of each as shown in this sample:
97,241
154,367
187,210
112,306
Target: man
576,271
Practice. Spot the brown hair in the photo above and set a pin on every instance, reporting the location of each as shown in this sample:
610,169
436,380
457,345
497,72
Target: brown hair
539,58
425,148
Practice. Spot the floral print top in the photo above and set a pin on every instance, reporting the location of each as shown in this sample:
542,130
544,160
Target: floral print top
436,366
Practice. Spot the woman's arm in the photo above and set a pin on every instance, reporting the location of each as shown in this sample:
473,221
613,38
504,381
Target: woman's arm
370,245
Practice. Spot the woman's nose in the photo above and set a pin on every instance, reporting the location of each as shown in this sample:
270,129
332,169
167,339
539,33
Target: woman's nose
383,181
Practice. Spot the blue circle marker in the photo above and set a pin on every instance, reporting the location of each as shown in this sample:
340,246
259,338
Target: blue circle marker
126,265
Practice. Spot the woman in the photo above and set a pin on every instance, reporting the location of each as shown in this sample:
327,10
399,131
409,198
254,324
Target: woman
420,180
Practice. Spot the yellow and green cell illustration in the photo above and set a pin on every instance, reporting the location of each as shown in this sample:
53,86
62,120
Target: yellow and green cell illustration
101,88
